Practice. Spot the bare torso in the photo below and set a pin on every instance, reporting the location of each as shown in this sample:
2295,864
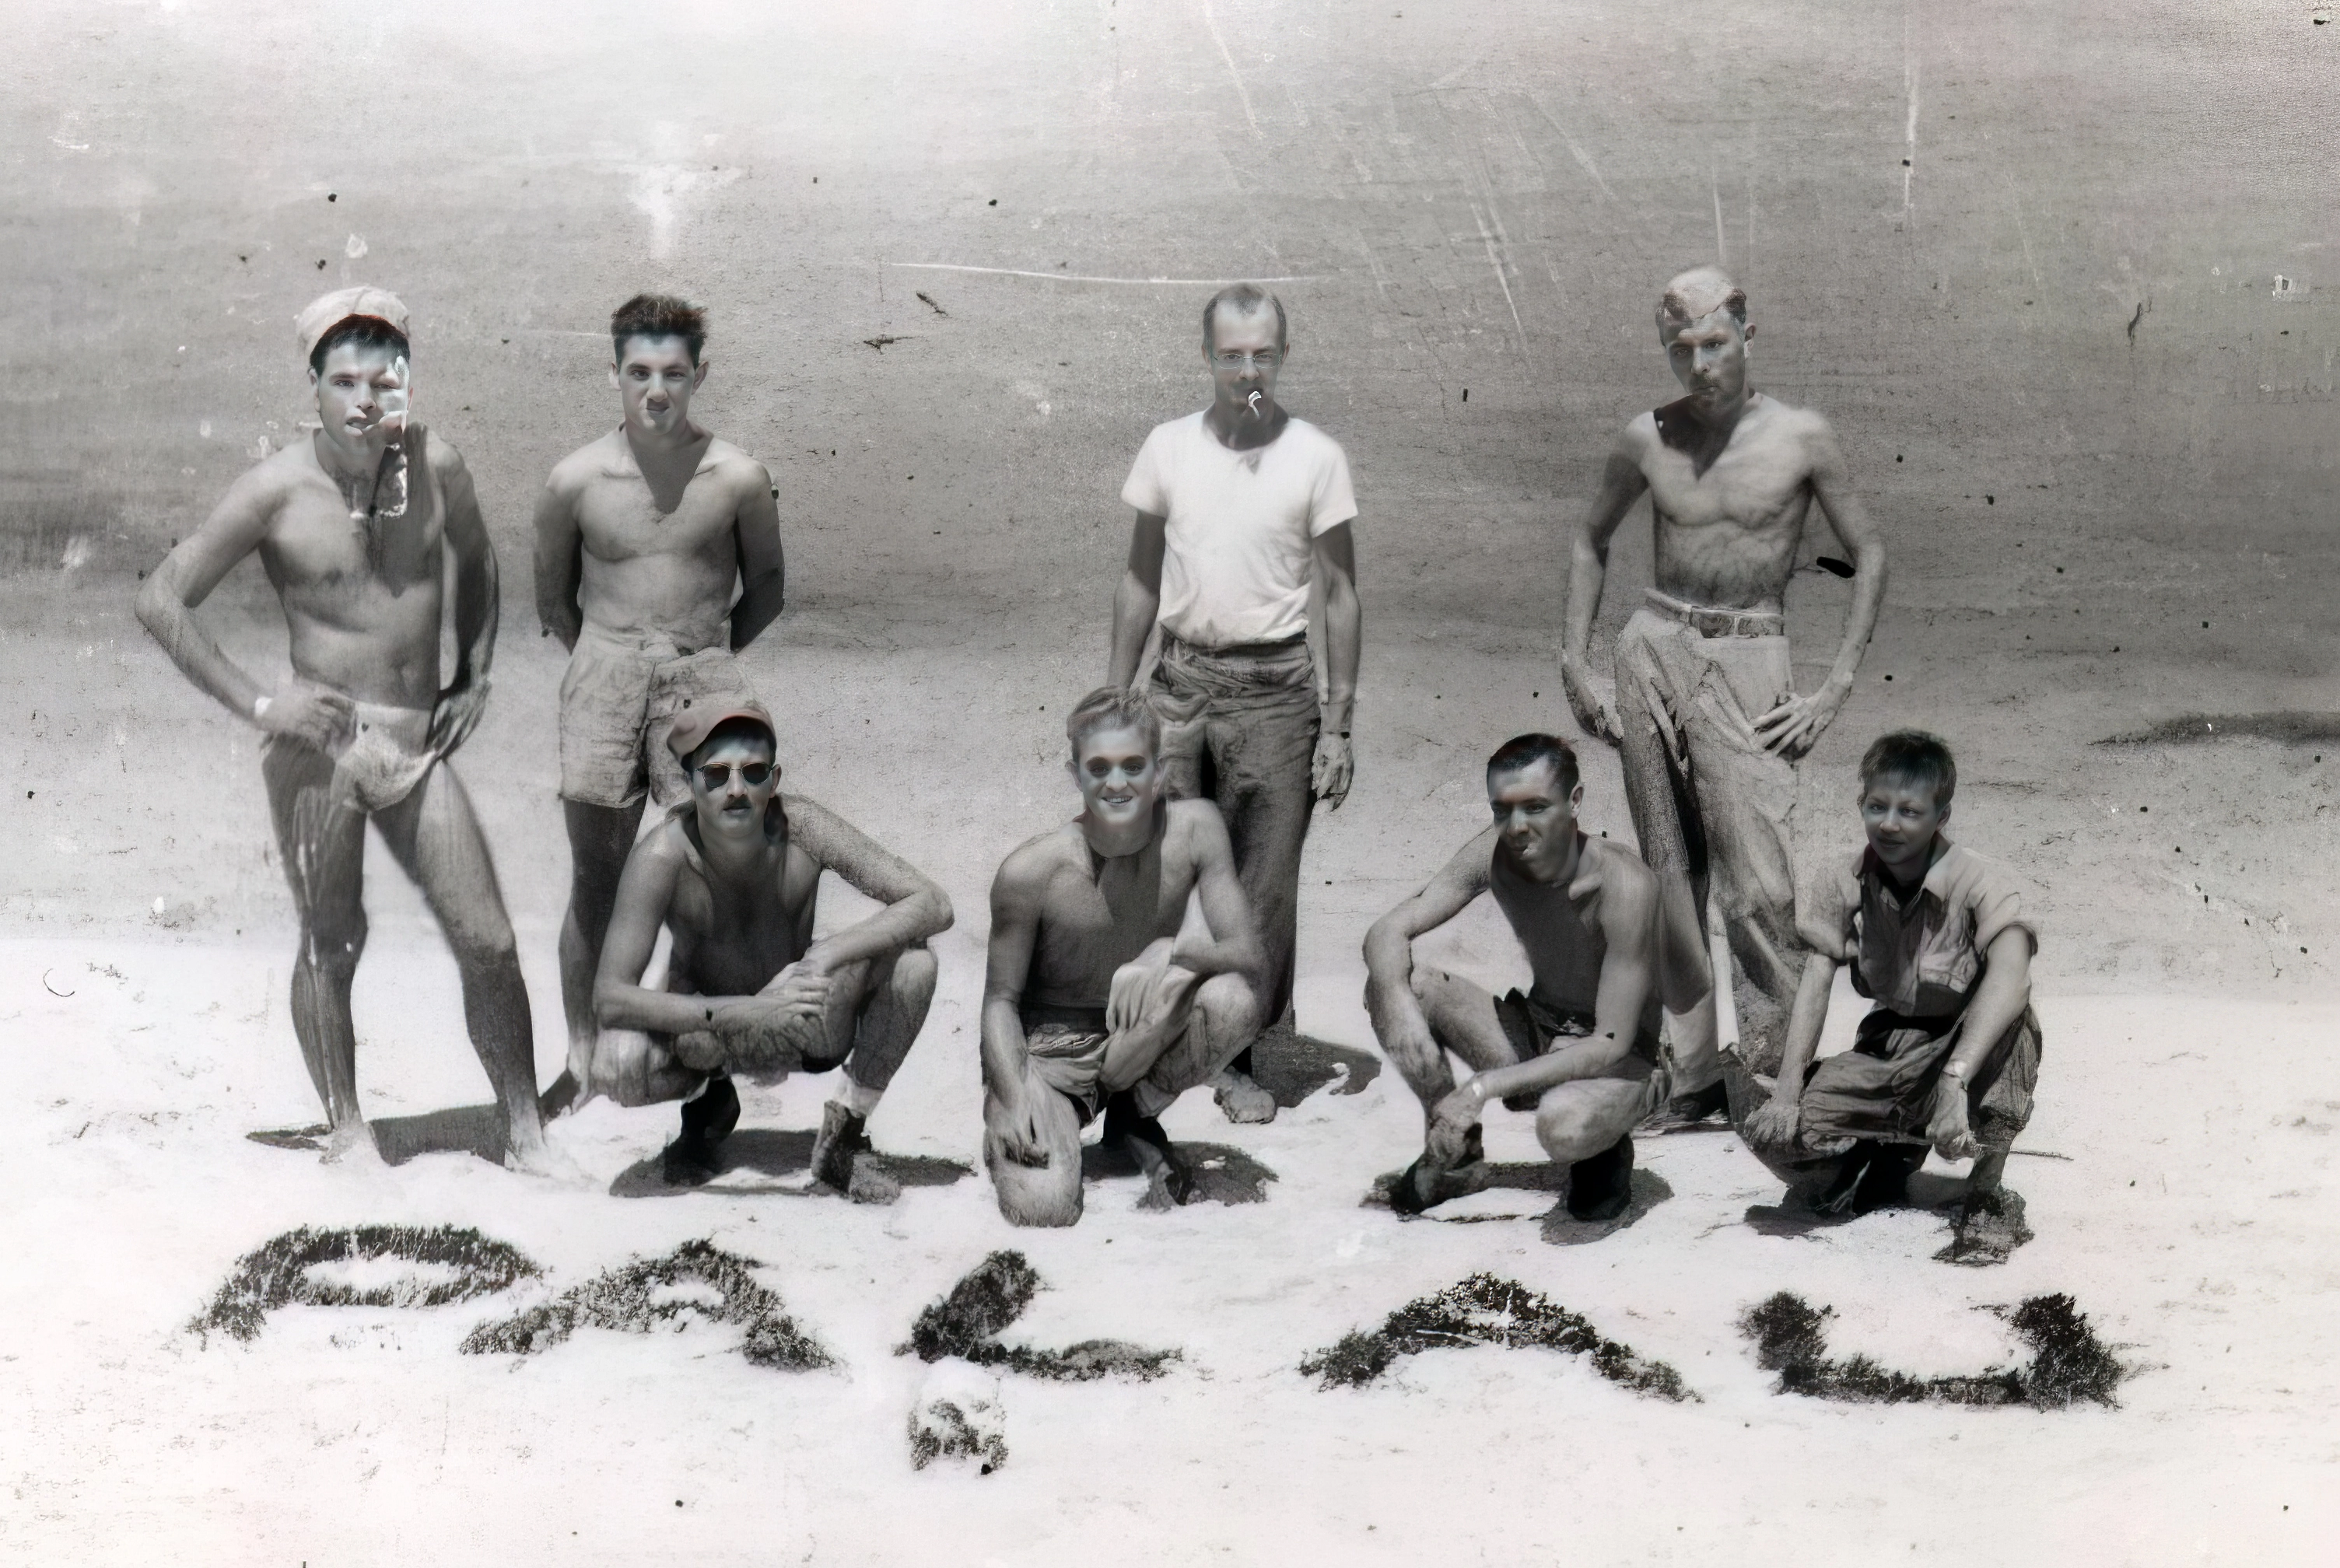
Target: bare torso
1727,522
1559,924
361,600
660,553
732,933
1097,914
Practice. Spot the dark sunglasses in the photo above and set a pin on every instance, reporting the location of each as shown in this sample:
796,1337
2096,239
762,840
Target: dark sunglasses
754,775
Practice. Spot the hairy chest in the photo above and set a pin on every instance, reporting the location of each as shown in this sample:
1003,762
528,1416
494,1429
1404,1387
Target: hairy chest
318,554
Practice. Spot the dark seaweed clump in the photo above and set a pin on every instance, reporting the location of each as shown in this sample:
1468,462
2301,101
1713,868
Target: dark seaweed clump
947,1434
628,1299
2068,1362
277,1274
993,1294
1484,1310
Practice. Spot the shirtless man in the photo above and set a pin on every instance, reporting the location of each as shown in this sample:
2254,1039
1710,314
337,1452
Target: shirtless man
1579,1049
356,527
1103,993
734,874
1705,709
640,538
1241,511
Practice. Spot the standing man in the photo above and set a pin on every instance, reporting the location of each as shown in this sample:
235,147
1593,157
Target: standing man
641,538
1705,710
734,877
1579,1048
1103,993
1240,509
356,527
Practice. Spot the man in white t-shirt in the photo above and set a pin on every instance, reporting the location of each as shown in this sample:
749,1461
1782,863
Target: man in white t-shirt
1241,508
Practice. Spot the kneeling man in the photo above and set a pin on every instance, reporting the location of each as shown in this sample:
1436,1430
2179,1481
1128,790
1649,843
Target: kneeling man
1104,995
1579,1050
734,874
1948,1055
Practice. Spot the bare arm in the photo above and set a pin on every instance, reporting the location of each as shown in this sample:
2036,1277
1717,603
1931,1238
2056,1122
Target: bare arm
1015,932
763,570
1390,1001
1336,568
1622,485
1138,600
478,603
167,603
1827,942
621,1001
915,908
1231,944
560,562
1795,726
1997,1002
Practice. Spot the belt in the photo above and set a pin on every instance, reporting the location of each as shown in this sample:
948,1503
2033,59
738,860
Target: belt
1237,650
1709,623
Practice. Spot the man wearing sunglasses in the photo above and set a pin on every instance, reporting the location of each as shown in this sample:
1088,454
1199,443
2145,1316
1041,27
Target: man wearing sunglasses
734,875
1241,511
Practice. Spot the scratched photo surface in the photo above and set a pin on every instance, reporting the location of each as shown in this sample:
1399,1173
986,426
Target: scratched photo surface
2063,278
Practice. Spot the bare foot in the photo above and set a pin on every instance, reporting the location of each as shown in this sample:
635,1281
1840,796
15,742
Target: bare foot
538,1157
1243,1101
351,1145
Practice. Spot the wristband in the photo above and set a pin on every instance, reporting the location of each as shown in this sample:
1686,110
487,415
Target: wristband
260,707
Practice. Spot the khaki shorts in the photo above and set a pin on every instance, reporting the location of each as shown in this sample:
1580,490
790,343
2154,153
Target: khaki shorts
618,702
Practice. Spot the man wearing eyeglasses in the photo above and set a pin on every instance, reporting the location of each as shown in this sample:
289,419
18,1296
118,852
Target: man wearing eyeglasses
1242,509
734,875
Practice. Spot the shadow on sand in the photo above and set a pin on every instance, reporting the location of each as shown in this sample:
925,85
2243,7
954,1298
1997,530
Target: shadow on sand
476,1130
1560,1227
1292,1066
1986,1228
784,1157
1223,1174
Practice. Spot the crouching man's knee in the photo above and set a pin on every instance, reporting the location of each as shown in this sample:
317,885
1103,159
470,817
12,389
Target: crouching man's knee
1231,1012
1572,1126
913,979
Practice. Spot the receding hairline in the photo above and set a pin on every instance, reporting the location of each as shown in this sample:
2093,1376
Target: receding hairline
656,335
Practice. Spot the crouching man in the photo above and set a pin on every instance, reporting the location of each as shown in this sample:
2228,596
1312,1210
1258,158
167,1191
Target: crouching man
1949,1056
1579,1049
734,874
1104,997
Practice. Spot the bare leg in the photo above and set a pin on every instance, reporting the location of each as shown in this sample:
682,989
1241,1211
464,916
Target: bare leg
435,836
1218,1020
875,1009
323,842
1044,1189
1462,1020
600,838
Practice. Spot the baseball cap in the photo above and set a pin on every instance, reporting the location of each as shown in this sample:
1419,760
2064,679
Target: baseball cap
692,726
326,311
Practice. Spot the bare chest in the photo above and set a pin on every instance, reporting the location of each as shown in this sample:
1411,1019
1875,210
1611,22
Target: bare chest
1759,484
620,519
318,554
732,936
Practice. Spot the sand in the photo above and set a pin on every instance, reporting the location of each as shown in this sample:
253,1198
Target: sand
2092,422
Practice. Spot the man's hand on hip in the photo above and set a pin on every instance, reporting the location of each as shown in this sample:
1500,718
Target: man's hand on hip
457,713
306,711
1796,725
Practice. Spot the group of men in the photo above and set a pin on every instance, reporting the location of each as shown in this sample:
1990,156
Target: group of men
1144,948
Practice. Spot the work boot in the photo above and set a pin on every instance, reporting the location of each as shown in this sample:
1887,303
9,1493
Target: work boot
1601,1187
1150,1145
707,1120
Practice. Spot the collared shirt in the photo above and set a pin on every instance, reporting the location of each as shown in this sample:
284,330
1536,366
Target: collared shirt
1922,958
1241,527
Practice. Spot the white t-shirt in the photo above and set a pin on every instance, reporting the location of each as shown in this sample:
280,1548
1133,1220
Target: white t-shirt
1241,527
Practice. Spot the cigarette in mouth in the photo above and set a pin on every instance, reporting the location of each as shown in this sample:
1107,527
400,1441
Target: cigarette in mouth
1251,403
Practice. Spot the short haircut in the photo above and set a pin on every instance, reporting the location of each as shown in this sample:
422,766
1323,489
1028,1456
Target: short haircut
1114,708
739,727
360,332
1244,299
658,316
1697,294
1527,750
1912,756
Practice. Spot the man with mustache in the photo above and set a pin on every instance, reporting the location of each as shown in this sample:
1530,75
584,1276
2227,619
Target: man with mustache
734,875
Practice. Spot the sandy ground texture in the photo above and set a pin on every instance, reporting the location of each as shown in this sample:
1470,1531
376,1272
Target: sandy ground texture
2061,276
